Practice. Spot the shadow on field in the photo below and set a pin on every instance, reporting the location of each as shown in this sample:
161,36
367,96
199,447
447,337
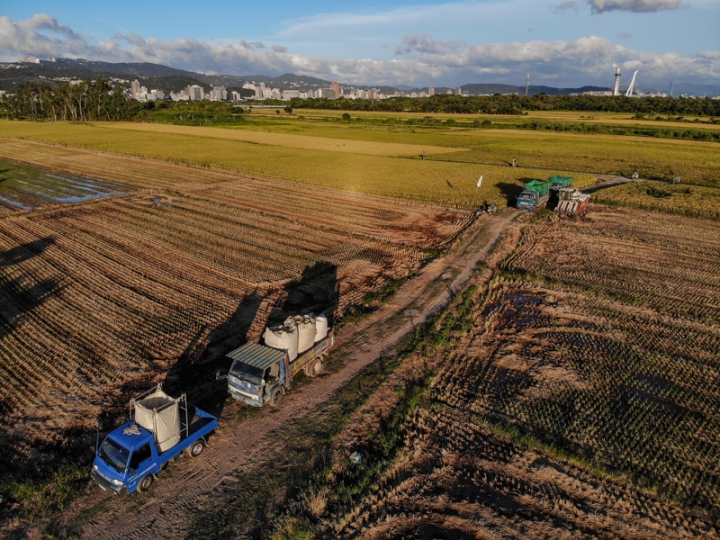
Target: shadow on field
21,295
316,291
618,180
510,191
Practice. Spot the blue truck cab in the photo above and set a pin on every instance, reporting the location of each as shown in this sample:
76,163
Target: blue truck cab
132,455
528,200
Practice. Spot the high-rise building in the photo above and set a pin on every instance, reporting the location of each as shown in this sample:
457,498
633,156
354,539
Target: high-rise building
337,89
218,93
431,91
135,88
195,92
458,91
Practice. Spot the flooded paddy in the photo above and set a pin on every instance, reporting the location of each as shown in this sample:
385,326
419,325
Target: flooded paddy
25,188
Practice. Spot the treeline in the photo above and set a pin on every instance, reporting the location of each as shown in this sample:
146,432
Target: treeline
517,104
88,100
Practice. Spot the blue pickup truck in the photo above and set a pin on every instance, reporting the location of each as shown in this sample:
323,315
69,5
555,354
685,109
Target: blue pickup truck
161,429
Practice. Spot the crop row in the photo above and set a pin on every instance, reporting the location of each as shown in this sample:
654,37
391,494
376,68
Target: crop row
449,465
623,389
93,296
675,275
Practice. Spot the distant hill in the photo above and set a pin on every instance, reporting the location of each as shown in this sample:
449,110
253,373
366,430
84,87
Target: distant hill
173,79
482,89
699,90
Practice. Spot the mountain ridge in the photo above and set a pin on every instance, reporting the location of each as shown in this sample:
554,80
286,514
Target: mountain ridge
173,79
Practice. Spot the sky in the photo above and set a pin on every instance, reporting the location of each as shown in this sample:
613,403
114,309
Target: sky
417,43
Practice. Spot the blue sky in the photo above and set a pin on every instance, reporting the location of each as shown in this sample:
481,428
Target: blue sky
417,43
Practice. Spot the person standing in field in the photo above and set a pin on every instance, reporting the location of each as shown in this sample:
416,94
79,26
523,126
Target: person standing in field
514,162
423,155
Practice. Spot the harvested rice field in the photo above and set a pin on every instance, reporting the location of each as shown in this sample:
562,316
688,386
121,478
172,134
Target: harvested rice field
100,295
571,392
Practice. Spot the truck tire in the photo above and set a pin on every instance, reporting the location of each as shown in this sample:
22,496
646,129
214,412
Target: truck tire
314,369
196,449
145,483
275,397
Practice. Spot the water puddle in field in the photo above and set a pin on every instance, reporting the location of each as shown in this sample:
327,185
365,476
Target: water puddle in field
25,188
520,300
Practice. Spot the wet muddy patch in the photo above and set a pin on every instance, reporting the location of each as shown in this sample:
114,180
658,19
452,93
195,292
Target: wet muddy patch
25,188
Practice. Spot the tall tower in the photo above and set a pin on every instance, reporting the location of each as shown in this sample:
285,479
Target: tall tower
616,91
338,90
527,83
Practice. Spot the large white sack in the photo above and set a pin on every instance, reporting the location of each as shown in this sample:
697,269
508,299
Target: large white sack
160,413
282,338
276,337
306,332
293,343
321,328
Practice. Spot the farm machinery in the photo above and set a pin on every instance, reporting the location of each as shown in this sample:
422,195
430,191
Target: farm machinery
535,193
572,201
557,193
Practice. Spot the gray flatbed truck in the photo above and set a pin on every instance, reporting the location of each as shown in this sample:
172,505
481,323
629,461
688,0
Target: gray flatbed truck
260,375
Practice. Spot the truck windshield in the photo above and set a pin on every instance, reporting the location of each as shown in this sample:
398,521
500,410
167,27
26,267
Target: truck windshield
114,454
247,373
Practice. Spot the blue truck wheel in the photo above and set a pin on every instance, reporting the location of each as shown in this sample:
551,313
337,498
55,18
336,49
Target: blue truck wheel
196,449
145,483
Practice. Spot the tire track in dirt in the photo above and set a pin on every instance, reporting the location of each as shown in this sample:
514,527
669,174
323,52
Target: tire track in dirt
179,493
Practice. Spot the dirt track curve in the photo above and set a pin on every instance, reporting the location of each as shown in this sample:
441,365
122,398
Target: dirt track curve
177,495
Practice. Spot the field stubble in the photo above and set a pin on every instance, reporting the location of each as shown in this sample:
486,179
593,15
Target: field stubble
557,404
101,298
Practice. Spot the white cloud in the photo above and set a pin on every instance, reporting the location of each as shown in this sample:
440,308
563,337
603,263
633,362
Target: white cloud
637,6
421,60
425,44
564,6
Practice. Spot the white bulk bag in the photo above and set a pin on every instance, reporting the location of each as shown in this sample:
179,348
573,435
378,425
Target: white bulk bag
321,328
306,332
276,337
160,413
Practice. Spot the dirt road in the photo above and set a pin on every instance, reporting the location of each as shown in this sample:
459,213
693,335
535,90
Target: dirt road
178,494
605,181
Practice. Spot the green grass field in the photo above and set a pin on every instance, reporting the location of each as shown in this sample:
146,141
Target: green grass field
381,157
373,173
692,201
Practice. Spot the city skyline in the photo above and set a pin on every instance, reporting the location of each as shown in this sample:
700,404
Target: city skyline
561,43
